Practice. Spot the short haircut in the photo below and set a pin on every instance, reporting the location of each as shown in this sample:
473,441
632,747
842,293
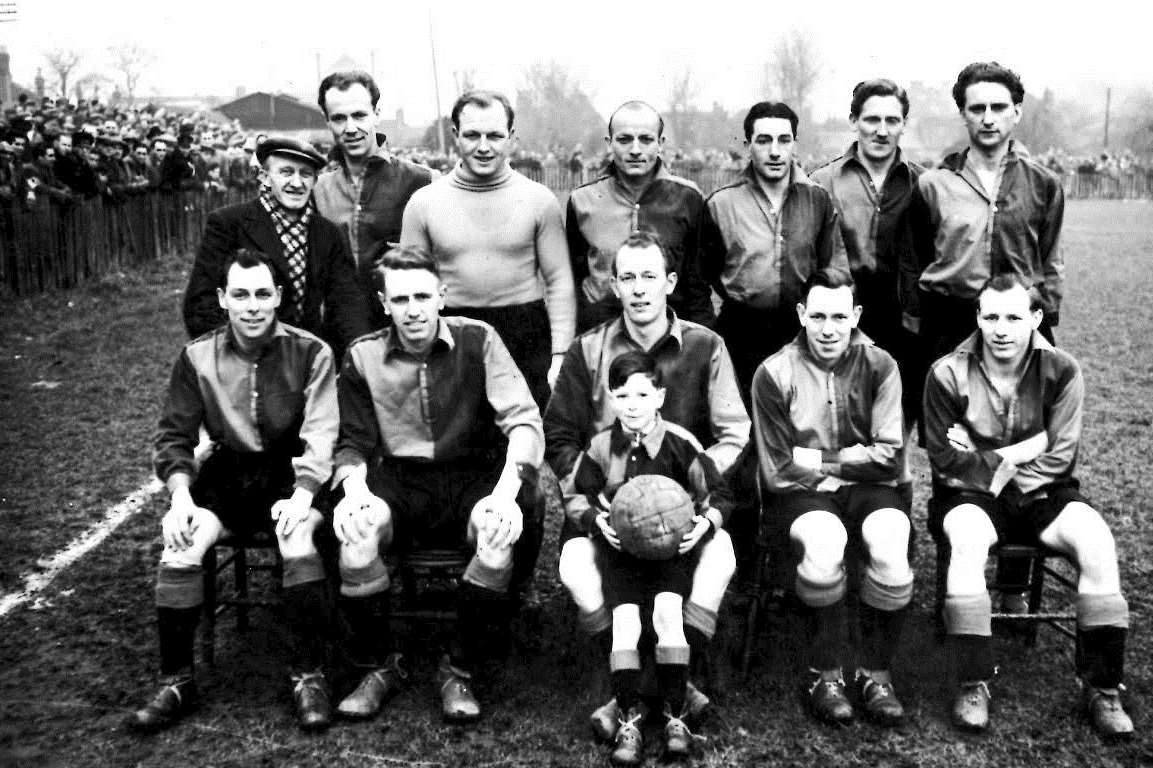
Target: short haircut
829,277
344,80
644,239
403,257
1007,281
987,72
879,86
482,99
764,109
247,258
638,104
626,364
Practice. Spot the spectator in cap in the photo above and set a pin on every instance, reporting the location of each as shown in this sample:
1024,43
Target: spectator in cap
321,294
77,169
177,171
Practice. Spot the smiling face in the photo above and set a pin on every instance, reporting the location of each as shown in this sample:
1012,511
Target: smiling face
879,127
636,402
828,316
414,299
642,284
483,139
352,120
291,180
1006,324
250,297
635,142
771,148
990,115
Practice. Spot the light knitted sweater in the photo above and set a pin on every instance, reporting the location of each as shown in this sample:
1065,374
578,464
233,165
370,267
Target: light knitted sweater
497,242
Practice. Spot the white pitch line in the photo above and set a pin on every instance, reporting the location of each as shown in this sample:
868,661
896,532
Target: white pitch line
80,546
36,581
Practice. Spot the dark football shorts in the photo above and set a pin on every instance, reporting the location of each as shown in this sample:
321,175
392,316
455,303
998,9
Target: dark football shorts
240,488
628,579
850,503
1014,521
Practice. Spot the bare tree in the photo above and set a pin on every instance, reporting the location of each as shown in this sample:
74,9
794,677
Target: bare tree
130,60
62,61
681,97
793,71
91,85
465,80
553,111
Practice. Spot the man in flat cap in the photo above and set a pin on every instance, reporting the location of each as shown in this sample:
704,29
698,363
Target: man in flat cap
76,170
321,294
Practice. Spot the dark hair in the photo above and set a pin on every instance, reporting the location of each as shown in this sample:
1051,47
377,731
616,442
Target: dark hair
626,364
643,238
829,277
987,72
1007,281
247,258
481,99
879,86
638,104
403,257
344,80
769,109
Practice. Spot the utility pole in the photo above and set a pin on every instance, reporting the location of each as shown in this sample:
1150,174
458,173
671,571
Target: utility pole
1108,102
436,86
318,66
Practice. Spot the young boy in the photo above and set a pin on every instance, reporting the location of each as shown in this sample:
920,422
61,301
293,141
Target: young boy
640,443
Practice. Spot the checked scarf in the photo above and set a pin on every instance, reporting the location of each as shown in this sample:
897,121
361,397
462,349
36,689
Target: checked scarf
293,233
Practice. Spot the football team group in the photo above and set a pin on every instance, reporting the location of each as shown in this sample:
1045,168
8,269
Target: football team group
385,360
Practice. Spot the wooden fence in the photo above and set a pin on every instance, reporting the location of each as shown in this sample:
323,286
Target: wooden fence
46,245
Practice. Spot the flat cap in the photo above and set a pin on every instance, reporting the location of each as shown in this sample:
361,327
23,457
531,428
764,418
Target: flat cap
286,145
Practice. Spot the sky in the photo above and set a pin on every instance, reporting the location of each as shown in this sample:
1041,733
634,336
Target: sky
617,50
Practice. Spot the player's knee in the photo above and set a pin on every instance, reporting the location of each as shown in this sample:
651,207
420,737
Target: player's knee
718,558
822,537
668,615
886,537
207,530
577,565
300,542
626,626
969,531
359,554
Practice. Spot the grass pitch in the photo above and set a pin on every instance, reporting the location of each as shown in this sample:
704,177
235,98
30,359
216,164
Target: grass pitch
80,387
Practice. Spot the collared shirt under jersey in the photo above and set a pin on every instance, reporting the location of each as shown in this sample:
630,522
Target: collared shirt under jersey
1049,397
451,405
280,397
850,412
974,233
369,206
757,255
876,225
701,392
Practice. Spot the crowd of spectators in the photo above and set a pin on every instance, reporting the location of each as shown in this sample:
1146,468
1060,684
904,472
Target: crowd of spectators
68,151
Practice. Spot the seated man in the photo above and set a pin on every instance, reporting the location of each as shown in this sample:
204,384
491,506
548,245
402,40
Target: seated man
267,464
1003,424
439,444
321,294
827,421
701,396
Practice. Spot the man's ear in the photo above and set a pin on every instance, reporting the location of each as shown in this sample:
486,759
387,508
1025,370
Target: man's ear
220,298
279,296
801,312
383,302
856,314
1035,318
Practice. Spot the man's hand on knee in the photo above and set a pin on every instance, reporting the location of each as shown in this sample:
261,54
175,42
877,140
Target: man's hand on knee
498,521
291,512
178,523
358,517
